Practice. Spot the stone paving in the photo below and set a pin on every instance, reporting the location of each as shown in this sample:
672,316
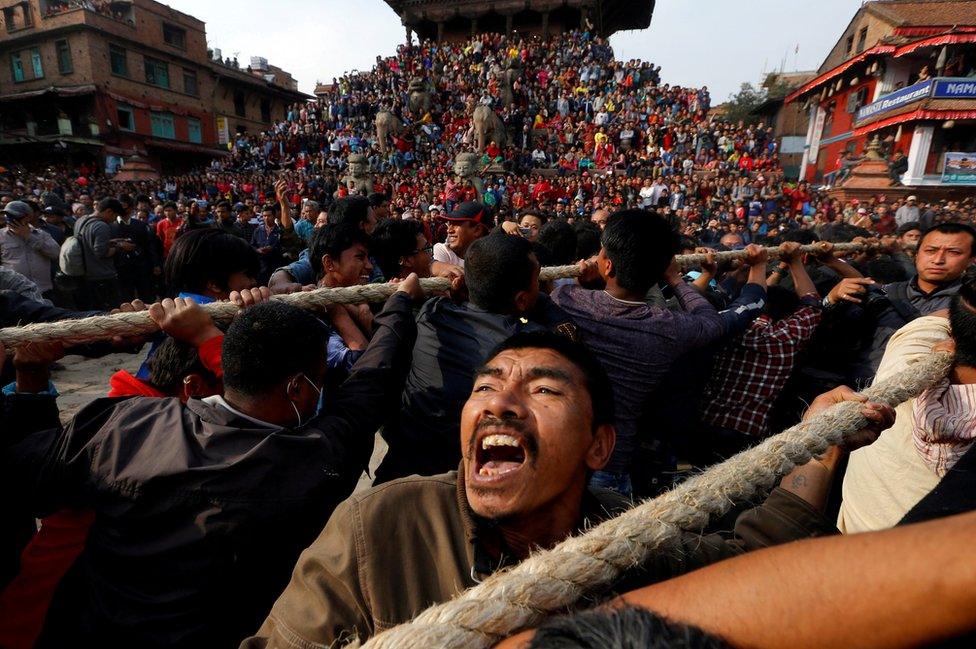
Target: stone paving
85,379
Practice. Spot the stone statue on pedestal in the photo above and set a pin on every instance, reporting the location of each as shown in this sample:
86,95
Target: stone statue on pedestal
466,172
358,179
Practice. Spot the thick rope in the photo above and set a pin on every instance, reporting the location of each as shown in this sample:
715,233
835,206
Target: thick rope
106,327
551,581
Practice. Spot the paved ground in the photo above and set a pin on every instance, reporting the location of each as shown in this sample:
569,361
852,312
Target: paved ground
83,380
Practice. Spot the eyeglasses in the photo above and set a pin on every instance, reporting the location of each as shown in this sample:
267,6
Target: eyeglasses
429,249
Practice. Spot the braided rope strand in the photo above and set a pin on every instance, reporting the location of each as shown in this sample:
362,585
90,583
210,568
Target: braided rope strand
551,581
106,327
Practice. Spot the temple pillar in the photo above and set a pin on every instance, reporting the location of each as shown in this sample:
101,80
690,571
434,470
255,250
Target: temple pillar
895,72
918,154
508,24
545,24
474,27
808,143
440,31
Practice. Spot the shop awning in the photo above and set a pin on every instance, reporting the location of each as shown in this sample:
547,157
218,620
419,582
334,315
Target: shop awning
895,52
60,91
186,146
933,110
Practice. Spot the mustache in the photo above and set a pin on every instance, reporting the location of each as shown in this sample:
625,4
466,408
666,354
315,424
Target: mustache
530,443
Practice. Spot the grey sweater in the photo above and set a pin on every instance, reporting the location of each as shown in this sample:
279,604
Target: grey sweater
96,242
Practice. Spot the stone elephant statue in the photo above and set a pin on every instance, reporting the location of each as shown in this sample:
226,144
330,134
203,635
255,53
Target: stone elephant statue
387,124
488,127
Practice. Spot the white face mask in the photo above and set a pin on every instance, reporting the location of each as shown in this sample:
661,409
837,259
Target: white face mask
298,414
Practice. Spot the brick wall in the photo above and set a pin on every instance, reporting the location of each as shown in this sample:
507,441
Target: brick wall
140,35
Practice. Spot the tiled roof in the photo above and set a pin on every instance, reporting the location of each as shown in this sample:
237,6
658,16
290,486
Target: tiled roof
920,13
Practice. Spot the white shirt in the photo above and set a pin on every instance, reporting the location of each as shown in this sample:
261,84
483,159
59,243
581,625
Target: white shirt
445,255
647,196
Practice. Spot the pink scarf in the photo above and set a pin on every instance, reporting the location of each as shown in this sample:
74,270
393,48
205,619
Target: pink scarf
944,422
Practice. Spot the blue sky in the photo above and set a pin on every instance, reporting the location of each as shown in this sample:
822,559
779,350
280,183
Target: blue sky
718,43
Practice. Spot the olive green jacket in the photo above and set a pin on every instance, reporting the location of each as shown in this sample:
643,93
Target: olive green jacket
388,553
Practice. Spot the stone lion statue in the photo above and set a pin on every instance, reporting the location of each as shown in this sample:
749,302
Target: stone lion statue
506,83
419,101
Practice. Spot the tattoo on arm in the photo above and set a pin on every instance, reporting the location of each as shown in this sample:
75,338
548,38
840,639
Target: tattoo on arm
799,481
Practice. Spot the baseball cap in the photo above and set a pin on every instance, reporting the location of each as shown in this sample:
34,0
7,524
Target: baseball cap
435,208
471,211
239,207
18,209
862,211
912,198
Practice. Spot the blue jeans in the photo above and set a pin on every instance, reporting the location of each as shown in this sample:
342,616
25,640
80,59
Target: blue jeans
619,482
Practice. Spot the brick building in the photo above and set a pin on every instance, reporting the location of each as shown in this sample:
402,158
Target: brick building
903,71
247,100
458,19
130,78
789,121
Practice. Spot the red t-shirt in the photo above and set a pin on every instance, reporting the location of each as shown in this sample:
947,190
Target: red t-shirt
166,231
886,224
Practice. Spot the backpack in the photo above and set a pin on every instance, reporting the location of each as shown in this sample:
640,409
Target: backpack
71,259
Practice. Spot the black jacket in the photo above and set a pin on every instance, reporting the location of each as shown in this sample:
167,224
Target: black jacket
20,414
143,258
17,310
200,513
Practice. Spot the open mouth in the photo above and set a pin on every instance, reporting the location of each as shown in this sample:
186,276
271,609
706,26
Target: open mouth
499,454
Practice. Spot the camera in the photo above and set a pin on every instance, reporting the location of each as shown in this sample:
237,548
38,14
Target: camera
875,300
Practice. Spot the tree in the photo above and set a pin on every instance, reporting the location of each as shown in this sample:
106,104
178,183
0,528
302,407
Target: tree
742,103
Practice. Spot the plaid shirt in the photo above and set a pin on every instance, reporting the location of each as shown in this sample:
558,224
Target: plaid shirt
750,372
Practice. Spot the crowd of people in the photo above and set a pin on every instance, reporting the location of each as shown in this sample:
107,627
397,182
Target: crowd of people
103,7
208,499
